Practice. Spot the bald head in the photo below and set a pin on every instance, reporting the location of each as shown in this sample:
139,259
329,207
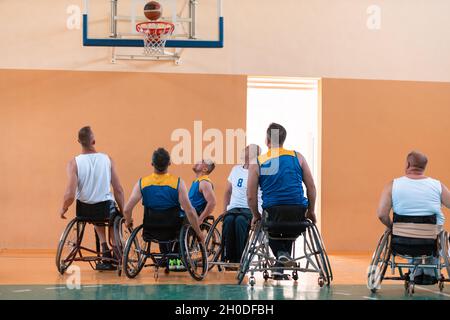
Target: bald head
417,161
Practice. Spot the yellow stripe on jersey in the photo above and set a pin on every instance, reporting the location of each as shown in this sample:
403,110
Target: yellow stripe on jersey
275,153
160,180
203,178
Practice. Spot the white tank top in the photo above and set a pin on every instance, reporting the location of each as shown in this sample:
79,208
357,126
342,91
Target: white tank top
417,197
94,178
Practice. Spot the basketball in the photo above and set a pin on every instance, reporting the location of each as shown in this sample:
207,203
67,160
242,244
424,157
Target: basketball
153,10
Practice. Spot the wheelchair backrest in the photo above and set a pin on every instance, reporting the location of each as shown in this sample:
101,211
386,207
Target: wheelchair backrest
95,213
162,225
285,220
414,235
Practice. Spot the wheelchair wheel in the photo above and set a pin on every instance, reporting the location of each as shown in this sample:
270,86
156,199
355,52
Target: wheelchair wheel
69,243
380,261
249,253
327,260
213,241
320,255
193,253
121,235
135,253
444,251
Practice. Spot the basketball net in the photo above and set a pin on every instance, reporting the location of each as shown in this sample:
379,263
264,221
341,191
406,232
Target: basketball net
155,34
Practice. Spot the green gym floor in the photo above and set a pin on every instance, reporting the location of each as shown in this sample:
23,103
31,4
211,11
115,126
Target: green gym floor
214,292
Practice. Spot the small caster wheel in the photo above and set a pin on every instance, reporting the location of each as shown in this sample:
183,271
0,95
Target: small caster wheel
406,285
373,290
411,289
441,286
294,276
166,271
156,275
178,62
252,281
265,275
119,271
321,282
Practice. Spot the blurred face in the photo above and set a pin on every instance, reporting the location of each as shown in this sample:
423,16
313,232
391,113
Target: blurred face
199,167
251,152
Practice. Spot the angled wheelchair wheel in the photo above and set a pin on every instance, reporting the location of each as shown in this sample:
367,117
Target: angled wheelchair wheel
444,251
193,253
315,244
249,253
380,262
322,245
214,246
69,244
121,235
135,253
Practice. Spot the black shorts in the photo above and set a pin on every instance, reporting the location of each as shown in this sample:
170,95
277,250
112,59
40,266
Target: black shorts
105,211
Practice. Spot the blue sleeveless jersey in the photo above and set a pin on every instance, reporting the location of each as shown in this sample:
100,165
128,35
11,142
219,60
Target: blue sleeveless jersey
160,191
197,199
280,179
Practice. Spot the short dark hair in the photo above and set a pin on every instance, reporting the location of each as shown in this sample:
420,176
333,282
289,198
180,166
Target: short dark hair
417,160
161,159
276,132
85,136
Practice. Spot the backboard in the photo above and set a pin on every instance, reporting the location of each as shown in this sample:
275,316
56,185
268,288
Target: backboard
112,23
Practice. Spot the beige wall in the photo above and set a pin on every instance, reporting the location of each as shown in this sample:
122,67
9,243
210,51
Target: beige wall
131,114
320,38
367,130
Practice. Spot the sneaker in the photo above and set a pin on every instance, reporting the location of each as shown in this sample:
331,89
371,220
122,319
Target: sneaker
277,274
425,280
231,268
172,264
179,265
104,266
286,259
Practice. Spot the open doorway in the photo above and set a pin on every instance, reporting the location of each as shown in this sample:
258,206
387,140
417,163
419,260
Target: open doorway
294,103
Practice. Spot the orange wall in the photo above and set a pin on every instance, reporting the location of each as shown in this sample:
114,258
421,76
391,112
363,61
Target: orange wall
131,114
368,127
367,130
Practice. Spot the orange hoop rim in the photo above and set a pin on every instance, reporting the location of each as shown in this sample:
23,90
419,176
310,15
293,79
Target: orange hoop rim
155,28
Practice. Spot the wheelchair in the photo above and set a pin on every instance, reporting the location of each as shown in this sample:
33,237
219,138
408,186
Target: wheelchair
103,214
213,239
215,246
287,223
170,231
417,240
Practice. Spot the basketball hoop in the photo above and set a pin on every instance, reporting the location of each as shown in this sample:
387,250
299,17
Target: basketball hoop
155,35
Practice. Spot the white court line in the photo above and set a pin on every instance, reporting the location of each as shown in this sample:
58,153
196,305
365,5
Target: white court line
54,288
23,290
94,286
436,292
343,293
370,298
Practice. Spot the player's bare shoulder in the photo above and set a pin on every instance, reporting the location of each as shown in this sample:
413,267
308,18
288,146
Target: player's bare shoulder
300,157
